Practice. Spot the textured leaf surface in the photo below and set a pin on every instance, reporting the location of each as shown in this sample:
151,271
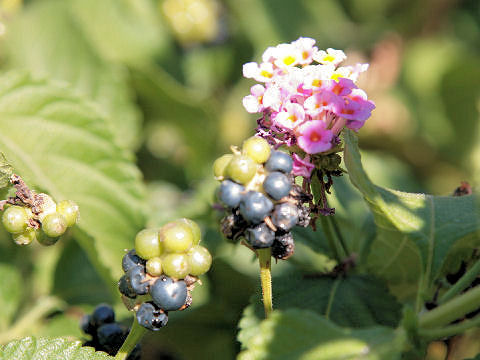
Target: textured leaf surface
60,144
304,335
47,41
416,232
5,171
10,293
31,348
354,301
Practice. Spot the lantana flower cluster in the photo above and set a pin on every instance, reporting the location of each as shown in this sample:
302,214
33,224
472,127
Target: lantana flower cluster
306,99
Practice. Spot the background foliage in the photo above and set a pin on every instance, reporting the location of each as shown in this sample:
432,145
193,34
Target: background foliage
115,105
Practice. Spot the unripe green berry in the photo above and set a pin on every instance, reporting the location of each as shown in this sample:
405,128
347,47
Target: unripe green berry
199,260
196,231
176,237
220,165
48,206
154,266
45,240
147,244
54,225
25,237
15,219
241,169
175,265
257,149
69,210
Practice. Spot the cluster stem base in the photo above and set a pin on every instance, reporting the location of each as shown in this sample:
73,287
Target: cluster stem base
265,261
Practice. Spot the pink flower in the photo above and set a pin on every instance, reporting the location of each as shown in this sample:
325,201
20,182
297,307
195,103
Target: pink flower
262,72
254,103
356,109
320,101
314,137
302,167
331,56
306,49
340,87
292,115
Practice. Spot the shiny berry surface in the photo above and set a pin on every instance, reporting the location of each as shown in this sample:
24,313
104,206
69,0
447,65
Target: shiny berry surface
199,260
154,266
69,210
260,236
147,244
175,265
103,314
137,280
54,225
25,237
131,259
277,185
230,193
257,149
150,317
15,219
285,216
125,287
167,294
279,161
255,206
176,237
220,165
196,231
241,169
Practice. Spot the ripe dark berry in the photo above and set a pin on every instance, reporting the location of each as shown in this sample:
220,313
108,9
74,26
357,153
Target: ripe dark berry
279,161
260,236
130,260
138,281
285,216
255,206
125,287
111,337
277,185
169,295
87,326
283,247
150,317
230,193
103,314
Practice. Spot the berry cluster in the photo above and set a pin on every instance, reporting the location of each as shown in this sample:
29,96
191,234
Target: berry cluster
162,270
260,197
29,216
107,335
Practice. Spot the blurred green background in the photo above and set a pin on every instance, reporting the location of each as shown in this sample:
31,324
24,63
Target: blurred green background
169,75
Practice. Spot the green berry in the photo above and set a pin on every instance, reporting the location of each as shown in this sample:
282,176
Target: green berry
199,260
220,165
26,237
15,219
44,239
176,237
147,244
175,265
48,206
257,149
54,225
154,266
241,169
196,231
69,210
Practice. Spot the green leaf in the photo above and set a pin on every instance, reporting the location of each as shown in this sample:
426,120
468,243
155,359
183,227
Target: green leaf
353,301
59,143
304,335
416,232
6,171
46,40
31,348
10,293
475,358
122,30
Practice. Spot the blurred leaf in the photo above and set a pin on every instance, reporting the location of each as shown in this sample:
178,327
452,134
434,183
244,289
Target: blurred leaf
31,348
304,335
475,358
61,325
76,281
46,41
70,153
6,171
11,287
127,31
353,301
416,232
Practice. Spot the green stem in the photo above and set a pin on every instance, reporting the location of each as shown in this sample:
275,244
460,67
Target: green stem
265,261
439,333
131,341
451,310
330,238
461,284
338,233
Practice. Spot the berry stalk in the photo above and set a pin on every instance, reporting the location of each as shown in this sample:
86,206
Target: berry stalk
265,261
133,338
461,284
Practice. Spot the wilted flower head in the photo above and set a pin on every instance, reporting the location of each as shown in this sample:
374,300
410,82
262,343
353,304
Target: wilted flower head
306,98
